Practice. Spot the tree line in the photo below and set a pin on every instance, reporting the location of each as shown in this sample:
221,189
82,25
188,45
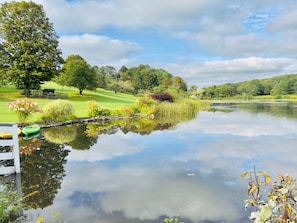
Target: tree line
142,78
275,86
29,56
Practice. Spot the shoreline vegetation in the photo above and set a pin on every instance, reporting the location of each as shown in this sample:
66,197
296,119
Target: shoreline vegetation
107,100
254,100
99,105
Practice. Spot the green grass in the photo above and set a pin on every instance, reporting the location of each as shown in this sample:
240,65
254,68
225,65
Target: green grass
106,99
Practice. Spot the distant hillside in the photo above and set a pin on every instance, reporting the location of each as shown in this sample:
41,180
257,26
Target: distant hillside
274,86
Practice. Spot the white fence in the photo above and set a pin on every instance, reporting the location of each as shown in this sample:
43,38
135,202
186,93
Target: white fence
13,154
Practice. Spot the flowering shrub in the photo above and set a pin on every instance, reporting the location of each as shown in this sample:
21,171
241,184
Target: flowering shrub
23,109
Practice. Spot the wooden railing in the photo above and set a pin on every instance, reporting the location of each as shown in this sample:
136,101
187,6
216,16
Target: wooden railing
13,153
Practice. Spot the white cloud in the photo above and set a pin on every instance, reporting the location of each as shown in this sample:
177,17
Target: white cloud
285,21
222,41
97,49
90,15
229,71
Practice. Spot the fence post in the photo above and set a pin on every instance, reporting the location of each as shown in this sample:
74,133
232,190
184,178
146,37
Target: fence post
16,151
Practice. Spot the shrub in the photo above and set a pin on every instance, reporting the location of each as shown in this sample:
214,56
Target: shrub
94,110
23,109
162,96
9,203
127,111
279,204
146,105
58,110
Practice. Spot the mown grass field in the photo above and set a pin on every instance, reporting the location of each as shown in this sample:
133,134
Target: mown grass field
107,99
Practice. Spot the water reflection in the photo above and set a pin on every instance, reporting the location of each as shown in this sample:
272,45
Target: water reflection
192,171
60,135
279,109
42,173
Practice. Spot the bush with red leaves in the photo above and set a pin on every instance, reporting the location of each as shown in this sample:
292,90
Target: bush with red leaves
163,96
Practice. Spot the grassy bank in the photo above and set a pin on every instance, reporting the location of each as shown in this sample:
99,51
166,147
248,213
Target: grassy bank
107,99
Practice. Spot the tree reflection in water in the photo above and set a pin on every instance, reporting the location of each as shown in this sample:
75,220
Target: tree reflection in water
42,174
43,169
83,141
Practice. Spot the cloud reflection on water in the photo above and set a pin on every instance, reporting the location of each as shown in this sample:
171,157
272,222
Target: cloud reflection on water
234,124
133,178
146,193
106,149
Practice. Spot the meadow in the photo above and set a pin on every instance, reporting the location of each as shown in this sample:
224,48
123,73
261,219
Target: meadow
105,98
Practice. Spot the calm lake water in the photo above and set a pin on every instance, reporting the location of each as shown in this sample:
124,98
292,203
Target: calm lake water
191,170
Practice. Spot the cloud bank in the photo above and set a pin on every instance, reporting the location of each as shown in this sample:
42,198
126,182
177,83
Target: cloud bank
205,42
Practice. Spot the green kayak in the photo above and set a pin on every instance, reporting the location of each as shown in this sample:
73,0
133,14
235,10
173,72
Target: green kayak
30,130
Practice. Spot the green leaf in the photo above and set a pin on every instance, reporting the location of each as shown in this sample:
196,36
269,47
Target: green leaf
265,213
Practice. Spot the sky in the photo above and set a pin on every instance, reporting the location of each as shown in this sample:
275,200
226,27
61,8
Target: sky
206,42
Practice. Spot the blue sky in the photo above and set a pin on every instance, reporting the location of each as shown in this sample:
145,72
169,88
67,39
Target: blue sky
206,42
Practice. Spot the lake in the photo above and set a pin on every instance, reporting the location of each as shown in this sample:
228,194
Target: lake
190,170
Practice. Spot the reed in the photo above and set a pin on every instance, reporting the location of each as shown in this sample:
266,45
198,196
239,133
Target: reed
180,111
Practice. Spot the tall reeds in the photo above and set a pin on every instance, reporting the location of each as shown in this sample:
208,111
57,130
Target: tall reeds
179,111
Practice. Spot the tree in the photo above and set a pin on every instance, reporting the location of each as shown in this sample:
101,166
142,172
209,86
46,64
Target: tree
164,78
76,72
179,84
28,45
111,72
101,78
149,79
251,88
123,74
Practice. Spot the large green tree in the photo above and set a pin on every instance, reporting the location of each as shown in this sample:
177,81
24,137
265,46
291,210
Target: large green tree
76,72
28,45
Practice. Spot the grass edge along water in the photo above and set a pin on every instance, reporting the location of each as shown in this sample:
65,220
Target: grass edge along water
108,99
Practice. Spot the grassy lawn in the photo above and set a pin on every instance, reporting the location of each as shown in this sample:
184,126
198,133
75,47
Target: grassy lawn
107,99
